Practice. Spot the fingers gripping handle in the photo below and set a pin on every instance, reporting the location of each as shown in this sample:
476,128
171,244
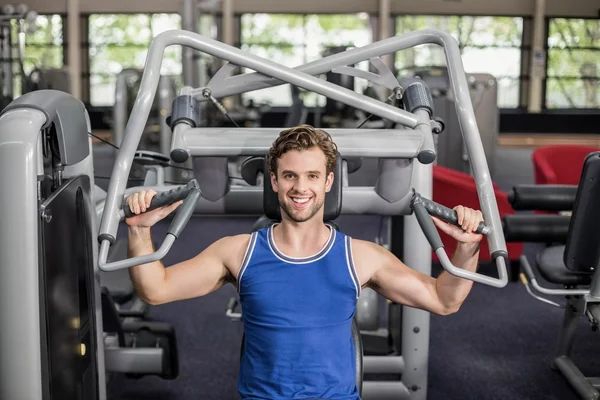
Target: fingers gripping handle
166,198
431,234
191,194
444,213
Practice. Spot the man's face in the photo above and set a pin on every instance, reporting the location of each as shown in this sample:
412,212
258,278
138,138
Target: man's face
301,184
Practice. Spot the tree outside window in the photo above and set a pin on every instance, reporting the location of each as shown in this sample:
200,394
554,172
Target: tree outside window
573,65
488,45
121,41
296,39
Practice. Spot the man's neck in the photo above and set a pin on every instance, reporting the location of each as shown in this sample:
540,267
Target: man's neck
301,238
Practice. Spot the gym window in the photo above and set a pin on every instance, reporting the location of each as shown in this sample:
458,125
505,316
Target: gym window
43,48
488,45
573,65
121,41
296,39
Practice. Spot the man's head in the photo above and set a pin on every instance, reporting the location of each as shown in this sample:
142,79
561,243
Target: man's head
301,163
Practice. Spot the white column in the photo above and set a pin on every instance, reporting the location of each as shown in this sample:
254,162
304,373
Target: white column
74,46
538,58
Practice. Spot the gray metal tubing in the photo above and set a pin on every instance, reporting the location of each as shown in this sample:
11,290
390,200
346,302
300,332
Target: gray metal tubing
424,126
132,262
560,292
233,142
594,381
255,81
188,19
165,100
120,106
415,322
385,390
383,365
134,360
20,341
248,200
458,83
499,282
576,378
149,83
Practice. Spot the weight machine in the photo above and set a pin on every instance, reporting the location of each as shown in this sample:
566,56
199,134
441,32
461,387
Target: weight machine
46,167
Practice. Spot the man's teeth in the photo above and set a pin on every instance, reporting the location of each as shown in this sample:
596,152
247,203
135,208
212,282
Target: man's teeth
300,200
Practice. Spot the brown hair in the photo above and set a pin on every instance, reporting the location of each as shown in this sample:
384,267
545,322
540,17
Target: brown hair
302,137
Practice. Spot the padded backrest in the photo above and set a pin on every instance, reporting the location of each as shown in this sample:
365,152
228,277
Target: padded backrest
333,199
582,250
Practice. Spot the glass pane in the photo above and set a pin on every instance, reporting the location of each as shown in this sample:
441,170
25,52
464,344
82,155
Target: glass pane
48,30
102,90
273,29
468,31
499,62
42,56
327,31
508,92
570,32
574,62
572,93
111,59
119,29
293,40
165,22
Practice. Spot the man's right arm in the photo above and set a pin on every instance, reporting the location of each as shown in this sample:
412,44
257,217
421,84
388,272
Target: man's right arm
196,277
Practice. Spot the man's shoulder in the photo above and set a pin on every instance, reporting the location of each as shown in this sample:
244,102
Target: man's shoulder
235,241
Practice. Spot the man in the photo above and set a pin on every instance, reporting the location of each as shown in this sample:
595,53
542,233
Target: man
299,280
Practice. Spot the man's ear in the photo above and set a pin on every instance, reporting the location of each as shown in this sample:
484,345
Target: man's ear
329,182
274,182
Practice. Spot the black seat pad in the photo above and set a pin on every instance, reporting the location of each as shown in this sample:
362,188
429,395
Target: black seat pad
553,269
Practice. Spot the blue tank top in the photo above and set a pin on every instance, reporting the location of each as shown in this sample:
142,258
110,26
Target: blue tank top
297,315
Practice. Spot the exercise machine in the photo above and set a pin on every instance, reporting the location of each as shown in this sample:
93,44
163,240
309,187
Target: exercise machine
577,274
483,89
406,154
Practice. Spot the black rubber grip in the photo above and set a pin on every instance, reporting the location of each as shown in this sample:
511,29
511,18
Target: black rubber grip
427,226
536,228
543,197
184,213
417,95
166,198
444,213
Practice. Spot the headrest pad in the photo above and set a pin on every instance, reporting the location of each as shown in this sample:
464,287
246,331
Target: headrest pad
333,199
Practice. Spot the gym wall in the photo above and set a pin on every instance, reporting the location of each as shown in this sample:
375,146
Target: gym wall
572,8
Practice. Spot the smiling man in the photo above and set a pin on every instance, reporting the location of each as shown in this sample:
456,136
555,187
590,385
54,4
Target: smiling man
299,279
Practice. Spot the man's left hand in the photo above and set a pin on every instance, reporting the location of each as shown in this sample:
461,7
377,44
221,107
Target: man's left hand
468,219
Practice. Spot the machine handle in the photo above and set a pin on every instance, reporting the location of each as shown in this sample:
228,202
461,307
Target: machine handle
430,231
231,306
184,213
444,213
166,198
191,194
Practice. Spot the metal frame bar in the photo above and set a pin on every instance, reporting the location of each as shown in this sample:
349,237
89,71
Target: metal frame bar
458,81
415,322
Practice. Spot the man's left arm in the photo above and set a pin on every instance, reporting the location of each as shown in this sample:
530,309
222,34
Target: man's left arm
394,280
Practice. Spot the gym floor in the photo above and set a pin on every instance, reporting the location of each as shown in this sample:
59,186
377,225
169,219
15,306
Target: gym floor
498,346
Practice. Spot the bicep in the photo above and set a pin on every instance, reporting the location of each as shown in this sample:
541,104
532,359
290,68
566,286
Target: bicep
401,284
197,276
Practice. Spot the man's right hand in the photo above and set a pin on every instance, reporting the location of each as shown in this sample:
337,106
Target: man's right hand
139,203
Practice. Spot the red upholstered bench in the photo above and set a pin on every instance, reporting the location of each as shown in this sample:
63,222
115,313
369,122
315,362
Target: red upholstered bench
452,188
560,164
